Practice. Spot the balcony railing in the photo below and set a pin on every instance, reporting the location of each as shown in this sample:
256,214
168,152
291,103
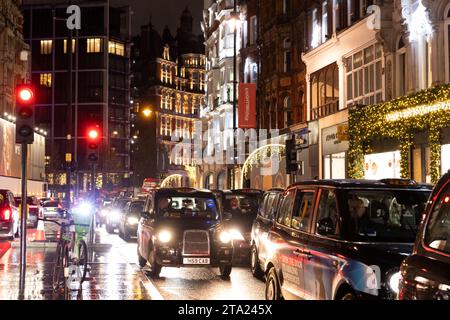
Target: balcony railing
325,110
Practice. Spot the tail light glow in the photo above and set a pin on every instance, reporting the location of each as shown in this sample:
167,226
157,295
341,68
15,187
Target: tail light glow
7,214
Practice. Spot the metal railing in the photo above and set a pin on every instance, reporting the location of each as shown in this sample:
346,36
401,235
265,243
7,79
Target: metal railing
325,110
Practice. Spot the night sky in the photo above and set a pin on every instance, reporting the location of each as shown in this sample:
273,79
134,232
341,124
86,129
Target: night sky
163,12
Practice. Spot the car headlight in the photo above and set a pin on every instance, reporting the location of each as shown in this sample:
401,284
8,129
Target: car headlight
164,236
114,216
236,235
85,208
225,237
133,220
394,282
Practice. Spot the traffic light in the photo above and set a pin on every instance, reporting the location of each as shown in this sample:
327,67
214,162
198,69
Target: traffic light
93,144
25,114
291,156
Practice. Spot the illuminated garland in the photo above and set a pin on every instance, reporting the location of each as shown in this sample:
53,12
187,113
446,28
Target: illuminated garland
258,155
167,182
374,122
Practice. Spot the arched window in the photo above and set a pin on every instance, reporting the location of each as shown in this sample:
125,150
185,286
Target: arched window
209,181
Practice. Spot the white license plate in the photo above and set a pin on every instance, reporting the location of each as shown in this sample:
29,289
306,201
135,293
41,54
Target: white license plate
196,261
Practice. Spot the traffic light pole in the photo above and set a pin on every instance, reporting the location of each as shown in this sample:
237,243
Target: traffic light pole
94,198
23,224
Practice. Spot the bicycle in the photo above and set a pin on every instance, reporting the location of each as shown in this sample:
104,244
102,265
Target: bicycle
71,256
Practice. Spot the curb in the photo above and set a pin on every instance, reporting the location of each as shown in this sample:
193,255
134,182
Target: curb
36,245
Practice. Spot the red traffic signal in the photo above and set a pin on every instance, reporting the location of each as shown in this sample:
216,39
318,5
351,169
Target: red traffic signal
93,134
25,125
25,94
93,141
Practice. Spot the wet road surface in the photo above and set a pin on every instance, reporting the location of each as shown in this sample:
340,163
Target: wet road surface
115,275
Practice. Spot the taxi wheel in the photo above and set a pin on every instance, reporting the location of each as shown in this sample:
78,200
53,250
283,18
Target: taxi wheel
273,291
17,234
349,296
154,266
109,229
225,270
142,262
255,266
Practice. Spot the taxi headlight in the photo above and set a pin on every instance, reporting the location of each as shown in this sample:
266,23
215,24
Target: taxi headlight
236,235
165,236
114,215
132,220
394,282
225,237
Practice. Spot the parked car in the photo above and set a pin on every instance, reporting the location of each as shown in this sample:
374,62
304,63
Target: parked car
261,227
183,227
342,239
129,220
113,215
241,208
51,209
425,275
34,210
9,216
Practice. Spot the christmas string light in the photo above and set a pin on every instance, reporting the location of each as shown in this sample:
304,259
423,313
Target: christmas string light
426,110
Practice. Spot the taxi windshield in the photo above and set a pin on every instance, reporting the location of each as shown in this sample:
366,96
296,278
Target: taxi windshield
385,215
189,207
242,204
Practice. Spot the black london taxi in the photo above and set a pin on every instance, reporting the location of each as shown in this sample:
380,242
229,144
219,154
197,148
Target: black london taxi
240,207
343,239
260,230
425,275
183,227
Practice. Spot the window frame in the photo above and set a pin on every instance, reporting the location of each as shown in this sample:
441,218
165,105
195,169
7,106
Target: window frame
297,207
46,47
316,214
282,225
91,44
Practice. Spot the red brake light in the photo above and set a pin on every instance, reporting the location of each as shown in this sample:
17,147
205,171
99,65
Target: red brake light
7,214
59,206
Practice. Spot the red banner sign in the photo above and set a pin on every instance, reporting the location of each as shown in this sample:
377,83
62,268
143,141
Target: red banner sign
247,106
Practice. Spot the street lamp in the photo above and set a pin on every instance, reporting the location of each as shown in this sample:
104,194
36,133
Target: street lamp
147,113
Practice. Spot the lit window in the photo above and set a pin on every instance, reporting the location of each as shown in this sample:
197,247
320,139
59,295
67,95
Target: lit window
94,45
65,46
116,48
46,79
46,46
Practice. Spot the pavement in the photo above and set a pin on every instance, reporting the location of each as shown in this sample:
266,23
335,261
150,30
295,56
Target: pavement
115,275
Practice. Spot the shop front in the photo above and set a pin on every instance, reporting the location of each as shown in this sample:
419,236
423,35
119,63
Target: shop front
408,137
334,151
